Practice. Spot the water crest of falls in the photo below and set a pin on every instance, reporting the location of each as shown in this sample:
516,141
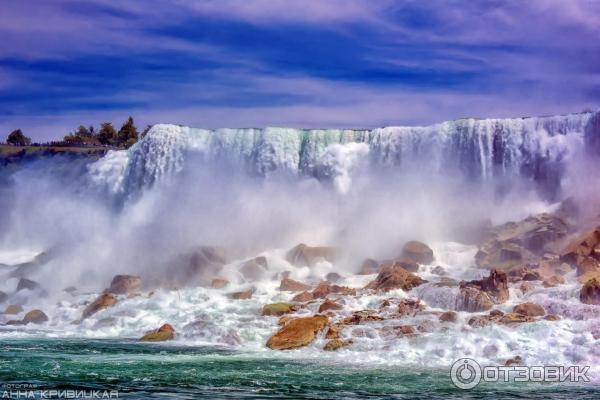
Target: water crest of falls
482,150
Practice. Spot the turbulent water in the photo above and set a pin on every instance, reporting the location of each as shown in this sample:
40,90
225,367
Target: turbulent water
258,192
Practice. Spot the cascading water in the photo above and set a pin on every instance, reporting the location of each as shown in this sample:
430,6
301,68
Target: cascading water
483,150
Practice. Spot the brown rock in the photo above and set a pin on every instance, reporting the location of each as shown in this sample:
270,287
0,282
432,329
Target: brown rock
581,246
165,332
277,309
514,318
448,316
255,268
303,297
590,292
395,278
368,267
525,287
219,283
552,317
418,252
409,265
35,317
303,255
398,330
439,270
291,285
359,317
472,299
244,295
496,314
334,331
529,309
298,332
408,307
125,284
553,281
324,289
329,305
284,320
13,309
105,300
335,344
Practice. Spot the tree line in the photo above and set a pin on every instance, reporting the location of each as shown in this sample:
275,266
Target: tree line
83,136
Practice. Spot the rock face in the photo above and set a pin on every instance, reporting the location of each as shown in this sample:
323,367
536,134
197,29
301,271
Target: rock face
590,292
105,300
529,309
395,277
164,333
298,332
303,255
125,284
481,295
418,252
278,309
290,285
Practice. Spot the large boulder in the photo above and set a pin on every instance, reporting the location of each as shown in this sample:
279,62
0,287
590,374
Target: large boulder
219,283
329,305
481,295
27,284
106,300
472,299
164,333
278,309
255,268
529,309
125,284
303,255
290,285
417,252
303,297
590,292
395,277
298,332
581,246
32,317
368,267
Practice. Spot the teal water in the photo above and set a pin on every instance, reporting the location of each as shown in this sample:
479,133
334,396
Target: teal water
139,370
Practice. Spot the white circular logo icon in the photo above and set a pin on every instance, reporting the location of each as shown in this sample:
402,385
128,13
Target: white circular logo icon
465,373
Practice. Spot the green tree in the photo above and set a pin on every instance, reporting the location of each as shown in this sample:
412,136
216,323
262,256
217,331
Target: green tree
17,138
145,131
107,134
128,133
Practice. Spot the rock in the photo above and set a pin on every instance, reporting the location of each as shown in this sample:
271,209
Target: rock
395,278
472,299
529,309
244,295
27,284
446,282
398,330
514,318
426,326
409,265
284,320
106,300
408,307
333,277
480,295
587,265
590,292
517,360
290,285
334,331
448,316
254,269
418,252
526,287
496,314
439,270
368,267
335,344
303,255
483,320
358,317
297,333
580,247
13,309
35,317
329,305
164,333
125,284
553,281
278,309
219,283
552,317
324,289
303,297
3,297
523,273
199,266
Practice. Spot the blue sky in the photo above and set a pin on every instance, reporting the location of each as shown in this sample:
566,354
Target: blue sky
312,63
